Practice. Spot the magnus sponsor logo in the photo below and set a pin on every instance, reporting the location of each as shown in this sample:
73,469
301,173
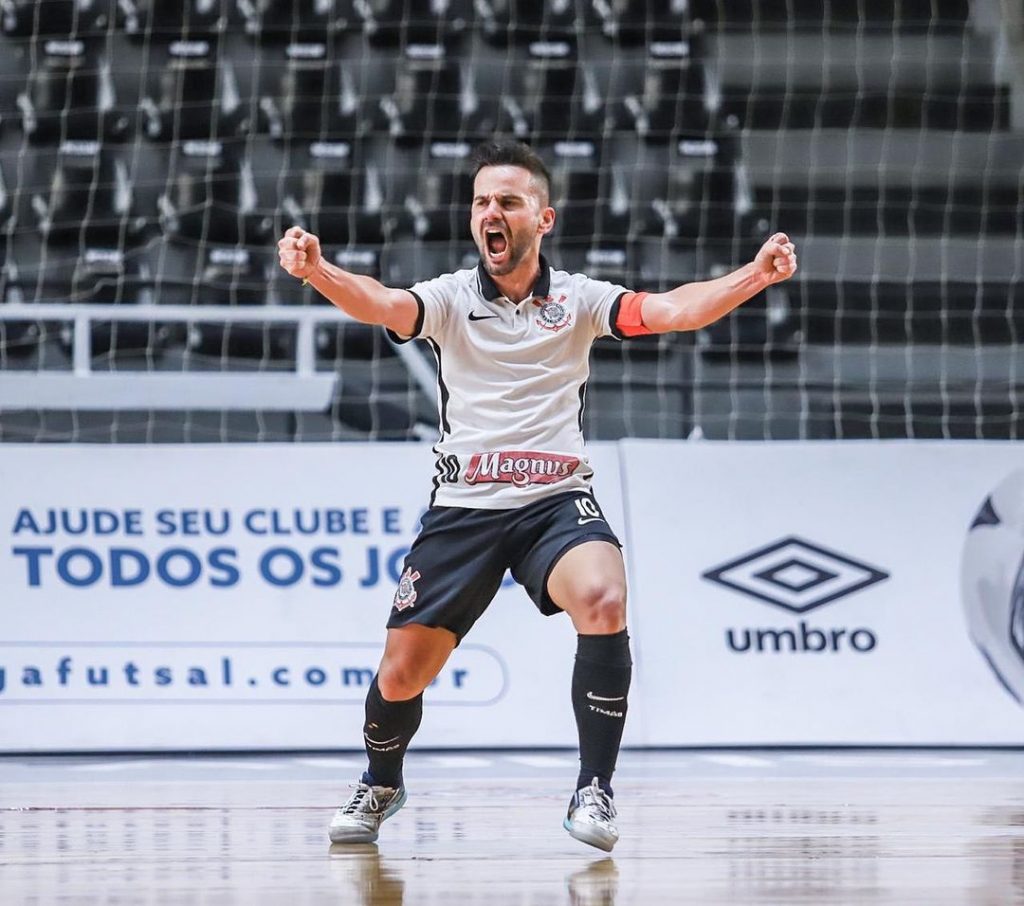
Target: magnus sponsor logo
797,576
520,468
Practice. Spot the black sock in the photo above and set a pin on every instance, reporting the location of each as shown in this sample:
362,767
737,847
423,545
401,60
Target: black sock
388,730
600,684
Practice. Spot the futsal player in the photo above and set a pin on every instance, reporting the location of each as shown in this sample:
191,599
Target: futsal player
512,489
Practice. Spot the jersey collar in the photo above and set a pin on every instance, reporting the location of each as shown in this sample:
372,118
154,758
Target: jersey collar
489,289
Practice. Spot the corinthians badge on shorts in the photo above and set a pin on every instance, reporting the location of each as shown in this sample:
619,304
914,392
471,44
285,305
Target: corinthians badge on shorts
406,594
553,315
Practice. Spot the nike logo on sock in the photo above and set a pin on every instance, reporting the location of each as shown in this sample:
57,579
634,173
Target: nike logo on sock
601,698
384,742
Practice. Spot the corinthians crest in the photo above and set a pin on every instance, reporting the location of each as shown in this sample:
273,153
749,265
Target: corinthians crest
553,315
406,594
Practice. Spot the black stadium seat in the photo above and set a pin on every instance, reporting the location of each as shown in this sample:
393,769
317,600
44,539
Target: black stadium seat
402,22
339,196
84,195
685,189
547,94
210,195
315,99
640,22
439,207
288,21
428,100
56,18
173,20
236,276
198,96
70,95
673,93
585,209
522,21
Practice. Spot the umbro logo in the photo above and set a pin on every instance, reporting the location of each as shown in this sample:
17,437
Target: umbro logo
473,316
796,575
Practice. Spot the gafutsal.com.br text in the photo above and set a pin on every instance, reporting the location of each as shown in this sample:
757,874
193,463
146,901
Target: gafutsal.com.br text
69,676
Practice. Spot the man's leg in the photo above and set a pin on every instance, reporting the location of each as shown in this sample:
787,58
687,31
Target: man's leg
413,656
589,583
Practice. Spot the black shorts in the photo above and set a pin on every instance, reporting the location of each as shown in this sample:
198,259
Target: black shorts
457,562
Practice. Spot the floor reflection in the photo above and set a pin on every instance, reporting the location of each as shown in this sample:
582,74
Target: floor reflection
375,883
369,880
595,885
785,853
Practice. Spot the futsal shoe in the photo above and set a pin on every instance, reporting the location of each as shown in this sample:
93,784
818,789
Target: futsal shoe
591,817
359,819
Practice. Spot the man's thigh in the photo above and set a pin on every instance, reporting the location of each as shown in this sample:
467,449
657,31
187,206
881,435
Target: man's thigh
452,571
566,522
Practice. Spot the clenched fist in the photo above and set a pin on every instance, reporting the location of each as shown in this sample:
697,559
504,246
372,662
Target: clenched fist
299,252
777,259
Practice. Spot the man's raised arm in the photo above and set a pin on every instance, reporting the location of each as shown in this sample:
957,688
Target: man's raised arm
364,298
695,305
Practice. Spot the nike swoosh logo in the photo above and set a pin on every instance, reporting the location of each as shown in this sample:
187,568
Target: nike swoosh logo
473,316
592,519
380,743
601,698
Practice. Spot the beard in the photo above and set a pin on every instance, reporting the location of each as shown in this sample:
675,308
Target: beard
515,253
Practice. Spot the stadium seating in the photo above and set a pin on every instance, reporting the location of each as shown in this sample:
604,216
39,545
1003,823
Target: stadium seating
197,96
295,21
84,194
153,151
394,23
57,18
504,22
428,99
545,92
174,20
69,95
314,99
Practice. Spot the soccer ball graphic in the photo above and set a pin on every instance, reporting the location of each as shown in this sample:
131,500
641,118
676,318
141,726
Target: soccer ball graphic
992,582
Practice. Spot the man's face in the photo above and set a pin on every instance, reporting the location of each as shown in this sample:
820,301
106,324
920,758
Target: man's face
510,215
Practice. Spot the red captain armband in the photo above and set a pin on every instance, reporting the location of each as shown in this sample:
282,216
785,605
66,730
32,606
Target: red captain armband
628,314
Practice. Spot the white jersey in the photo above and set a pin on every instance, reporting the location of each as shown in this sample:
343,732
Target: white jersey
511,383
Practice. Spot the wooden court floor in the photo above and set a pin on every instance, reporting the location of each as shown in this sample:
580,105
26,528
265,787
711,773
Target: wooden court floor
485,828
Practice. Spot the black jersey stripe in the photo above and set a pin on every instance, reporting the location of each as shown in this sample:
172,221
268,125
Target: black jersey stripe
437,476
446,428
613,318
583,403
417,327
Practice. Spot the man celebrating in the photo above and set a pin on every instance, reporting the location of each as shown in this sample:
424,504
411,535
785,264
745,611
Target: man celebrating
512,338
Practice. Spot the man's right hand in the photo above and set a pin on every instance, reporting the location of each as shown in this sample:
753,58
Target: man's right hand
299,252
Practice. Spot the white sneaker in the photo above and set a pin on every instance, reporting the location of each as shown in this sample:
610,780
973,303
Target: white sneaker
359,819
591,817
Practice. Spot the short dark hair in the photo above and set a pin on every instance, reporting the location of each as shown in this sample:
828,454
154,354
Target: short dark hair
499,152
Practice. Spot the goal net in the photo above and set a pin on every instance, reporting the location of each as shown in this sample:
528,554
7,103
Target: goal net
152,152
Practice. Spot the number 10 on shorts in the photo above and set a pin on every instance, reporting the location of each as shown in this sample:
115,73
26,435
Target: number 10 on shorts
588,511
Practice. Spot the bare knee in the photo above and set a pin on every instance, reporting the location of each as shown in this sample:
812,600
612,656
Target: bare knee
401,678
599,609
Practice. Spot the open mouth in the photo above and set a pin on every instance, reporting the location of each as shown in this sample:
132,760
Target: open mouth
496,243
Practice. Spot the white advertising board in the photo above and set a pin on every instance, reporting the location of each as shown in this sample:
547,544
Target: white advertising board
810,593
158,598
233,597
